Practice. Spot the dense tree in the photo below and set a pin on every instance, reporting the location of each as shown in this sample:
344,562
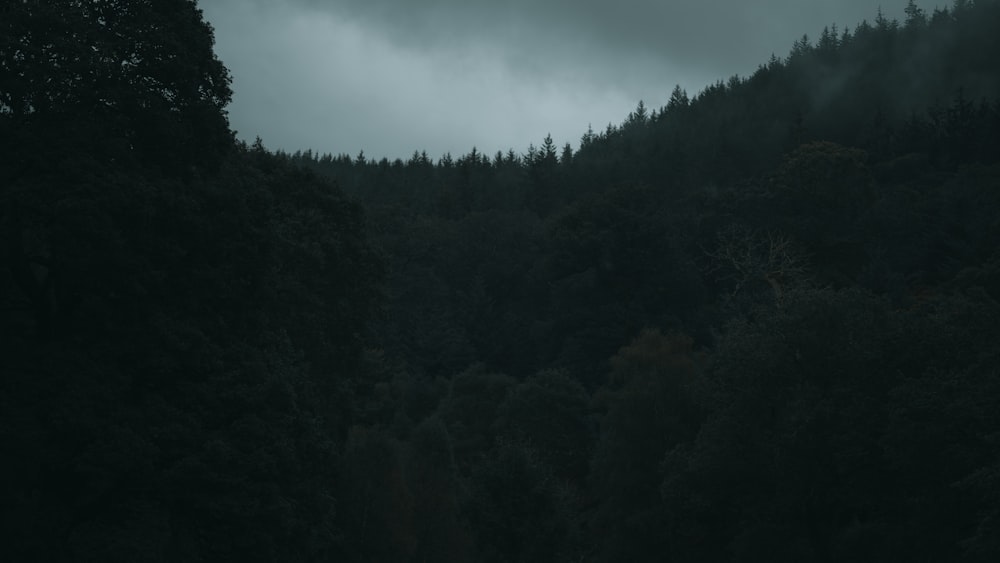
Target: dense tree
117,80
204,356
650,411
822,228
550,411
519,509
441,534
181,312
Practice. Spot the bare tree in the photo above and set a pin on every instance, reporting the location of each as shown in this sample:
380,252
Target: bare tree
744,256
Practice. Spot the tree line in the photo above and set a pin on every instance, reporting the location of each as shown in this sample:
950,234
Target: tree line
757,323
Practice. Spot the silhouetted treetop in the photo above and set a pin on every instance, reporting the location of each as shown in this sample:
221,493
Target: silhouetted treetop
139,71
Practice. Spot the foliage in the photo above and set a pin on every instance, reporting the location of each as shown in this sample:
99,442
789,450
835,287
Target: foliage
212,352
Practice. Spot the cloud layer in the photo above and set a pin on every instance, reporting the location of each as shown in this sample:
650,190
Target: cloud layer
390,77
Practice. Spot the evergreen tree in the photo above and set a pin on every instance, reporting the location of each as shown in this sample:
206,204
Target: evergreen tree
678,99
566,157
915,15
548,154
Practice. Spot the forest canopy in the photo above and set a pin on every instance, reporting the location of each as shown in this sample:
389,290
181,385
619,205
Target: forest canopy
758,323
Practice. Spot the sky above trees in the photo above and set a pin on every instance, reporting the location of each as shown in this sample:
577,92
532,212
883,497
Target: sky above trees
391,77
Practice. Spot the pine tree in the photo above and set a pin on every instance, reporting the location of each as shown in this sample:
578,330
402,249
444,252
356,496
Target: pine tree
800,48
915,16
640,116
678,99
548,153
567,155
587,137
827,40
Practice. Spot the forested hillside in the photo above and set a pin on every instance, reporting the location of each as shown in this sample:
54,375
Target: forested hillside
758,323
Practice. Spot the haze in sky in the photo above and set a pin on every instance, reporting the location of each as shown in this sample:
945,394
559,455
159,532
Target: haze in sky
393,76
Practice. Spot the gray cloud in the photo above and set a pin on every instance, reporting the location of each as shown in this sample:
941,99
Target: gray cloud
391,76
713,35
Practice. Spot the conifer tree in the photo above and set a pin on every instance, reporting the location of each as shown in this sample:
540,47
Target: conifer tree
915,16
678,99
567,155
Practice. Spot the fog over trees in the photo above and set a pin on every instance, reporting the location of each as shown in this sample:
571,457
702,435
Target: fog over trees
758,323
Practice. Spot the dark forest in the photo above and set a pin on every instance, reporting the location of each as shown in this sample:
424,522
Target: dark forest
758,323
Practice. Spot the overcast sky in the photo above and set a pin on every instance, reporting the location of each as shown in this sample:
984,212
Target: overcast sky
393,76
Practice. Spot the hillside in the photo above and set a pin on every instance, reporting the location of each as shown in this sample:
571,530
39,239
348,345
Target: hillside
758,323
